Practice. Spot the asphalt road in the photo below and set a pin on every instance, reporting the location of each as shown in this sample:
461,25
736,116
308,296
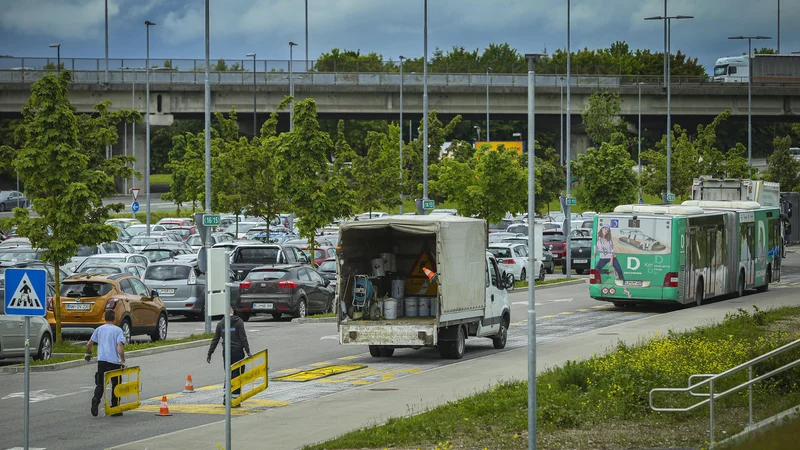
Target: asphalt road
60,400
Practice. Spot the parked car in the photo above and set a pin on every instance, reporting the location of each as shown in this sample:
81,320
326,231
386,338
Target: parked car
133,258
513,259
160,251
581,249
122,223
15,242
12,335
135,230
36,264
449,212
245,258
196,242
87,251
179,221
114,268
555,242
183,231
283,289
518,228
371,215
503,225
230,245
320,254
127,247
12,256
327,241
547,256
328,271
85,299
243,227
181,285
141,241
12,199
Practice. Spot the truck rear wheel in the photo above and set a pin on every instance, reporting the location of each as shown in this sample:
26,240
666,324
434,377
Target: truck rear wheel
386,352
454,349
375,351
499,341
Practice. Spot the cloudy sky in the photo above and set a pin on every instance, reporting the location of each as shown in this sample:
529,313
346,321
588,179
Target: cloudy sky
388,27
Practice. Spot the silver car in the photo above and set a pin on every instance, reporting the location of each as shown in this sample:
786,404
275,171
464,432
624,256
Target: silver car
12,335
114,268
180,285
133,258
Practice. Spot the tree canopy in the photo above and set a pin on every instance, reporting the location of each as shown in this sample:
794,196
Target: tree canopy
606,176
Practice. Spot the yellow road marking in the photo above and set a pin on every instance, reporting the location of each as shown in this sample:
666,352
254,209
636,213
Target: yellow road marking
513,324
355,376
197,409
277,372
265,403
170,396
208,388
322,372
547,317
599,306
565,313
348,358
320,364
581,310
393,375
363,382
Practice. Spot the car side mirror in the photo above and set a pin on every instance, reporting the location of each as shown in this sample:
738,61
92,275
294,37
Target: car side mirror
153,293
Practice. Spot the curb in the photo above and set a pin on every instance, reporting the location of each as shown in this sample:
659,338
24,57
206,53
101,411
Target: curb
80,362
553,285
312,320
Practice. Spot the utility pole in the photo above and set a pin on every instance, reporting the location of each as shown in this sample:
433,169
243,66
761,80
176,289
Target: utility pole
147,24
568,154
401,133
425,148
206,237
488,72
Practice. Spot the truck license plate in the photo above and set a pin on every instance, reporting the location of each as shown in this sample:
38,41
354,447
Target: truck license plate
262,305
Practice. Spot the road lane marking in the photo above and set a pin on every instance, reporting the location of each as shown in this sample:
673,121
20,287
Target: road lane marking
547,317
599,306
333,337
565,313
284,371
318,373
320,364
581,310
198,409
348,358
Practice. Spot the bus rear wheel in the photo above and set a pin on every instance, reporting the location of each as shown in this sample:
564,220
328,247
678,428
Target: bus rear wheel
698,295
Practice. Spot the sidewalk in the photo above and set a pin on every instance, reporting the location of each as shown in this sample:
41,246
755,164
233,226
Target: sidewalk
321,419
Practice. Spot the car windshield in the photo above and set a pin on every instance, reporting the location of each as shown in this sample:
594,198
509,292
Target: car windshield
157,254
521,229
142,240
515,241
328,266
14,257
167,272
261,275
256,255
244,227
134,230
554,238
75,289
194,240
93,270
583,243
84,250
720,70
501,252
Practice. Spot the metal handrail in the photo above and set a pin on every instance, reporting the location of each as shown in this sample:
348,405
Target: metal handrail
710,379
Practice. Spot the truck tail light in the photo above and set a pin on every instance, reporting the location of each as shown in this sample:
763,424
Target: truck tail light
594,276
245,284
671,279
287,284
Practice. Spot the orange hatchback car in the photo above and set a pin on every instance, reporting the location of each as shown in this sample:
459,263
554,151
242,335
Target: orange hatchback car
86,298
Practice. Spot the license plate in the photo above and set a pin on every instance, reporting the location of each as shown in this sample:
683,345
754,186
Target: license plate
166,291
262,305
580,261
79,306
634,283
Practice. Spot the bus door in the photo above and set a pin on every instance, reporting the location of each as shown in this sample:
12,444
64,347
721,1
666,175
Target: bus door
711,259
776,248
751,256
691,256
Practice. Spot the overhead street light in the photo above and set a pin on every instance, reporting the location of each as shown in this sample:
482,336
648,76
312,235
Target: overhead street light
253,55
58,52
488,72
667,55
291,87
147,25
425,148
749,94
402,58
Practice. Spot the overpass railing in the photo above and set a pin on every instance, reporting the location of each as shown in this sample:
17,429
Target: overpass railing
231,72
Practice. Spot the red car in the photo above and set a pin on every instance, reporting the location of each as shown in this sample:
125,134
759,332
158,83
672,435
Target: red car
184,231
320,254
556,242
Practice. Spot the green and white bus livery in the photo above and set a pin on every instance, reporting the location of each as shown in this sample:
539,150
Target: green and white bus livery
686,253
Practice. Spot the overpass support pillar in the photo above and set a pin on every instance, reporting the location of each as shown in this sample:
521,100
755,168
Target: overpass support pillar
124,145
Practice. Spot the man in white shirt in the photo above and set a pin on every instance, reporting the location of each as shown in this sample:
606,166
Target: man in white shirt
110,356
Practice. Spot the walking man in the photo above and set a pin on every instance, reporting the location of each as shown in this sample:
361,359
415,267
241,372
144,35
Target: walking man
110,356
239,346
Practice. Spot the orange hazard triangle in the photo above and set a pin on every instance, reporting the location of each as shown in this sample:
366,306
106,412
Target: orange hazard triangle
425,260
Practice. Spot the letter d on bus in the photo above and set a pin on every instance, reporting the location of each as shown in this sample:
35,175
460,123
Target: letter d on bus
633,263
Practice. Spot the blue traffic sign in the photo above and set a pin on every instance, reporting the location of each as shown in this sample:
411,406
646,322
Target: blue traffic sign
135,206
26,292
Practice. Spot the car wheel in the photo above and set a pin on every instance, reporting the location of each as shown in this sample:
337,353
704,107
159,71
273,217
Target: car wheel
126,329
45,348
2,207
460,345
541,274
523,275
513,282
276,316
551,269
301,309
160,333
698,296
500,340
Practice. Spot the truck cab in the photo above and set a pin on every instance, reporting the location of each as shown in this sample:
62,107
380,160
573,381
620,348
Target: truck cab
732,69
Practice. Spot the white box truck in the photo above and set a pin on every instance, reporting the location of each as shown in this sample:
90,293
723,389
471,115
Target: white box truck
419,281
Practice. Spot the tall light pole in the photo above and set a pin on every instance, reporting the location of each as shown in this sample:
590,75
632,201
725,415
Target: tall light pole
307,37
532,58
478,129
147,25
639,139
401,132
58,56
425,148
253,55
107,44
667,56
568,150
133,125
291,87
488,72
779,27
561,117
749,95
206,238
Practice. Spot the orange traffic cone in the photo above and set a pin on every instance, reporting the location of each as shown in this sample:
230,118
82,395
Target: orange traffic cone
189,388
164,410
429,273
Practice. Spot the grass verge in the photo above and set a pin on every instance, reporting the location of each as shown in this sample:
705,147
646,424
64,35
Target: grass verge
161,178
323,315
603,403
78,350
524,284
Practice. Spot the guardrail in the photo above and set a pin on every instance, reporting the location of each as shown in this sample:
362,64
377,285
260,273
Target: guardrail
711,379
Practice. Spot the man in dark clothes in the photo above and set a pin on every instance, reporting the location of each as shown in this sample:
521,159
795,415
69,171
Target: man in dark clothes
239,346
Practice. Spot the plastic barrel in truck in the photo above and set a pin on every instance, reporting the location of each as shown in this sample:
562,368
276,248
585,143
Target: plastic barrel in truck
419,281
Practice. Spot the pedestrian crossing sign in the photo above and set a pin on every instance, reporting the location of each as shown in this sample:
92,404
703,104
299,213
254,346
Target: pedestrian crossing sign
26,292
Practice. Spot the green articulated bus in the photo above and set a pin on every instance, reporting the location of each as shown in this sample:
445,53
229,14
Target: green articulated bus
686,253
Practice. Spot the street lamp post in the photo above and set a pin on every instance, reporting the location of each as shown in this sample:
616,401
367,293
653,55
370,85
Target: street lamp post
488,72
147,24
133,131
561,117
58,56
779,27
253,55
425,148
749,95
307,36
568,150
107,46
639,139
401,132
667,55
291,87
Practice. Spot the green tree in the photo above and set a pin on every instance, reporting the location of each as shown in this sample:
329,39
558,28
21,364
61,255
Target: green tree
355,131
52,66
66,187
319,190
187,167
495,185
550,177
348,61
377,174
606,176
783,168
161,141
601,116
412,152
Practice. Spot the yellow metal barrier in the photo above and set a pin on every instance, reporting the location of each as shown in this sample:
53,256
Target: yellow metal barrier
259,368
129,387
